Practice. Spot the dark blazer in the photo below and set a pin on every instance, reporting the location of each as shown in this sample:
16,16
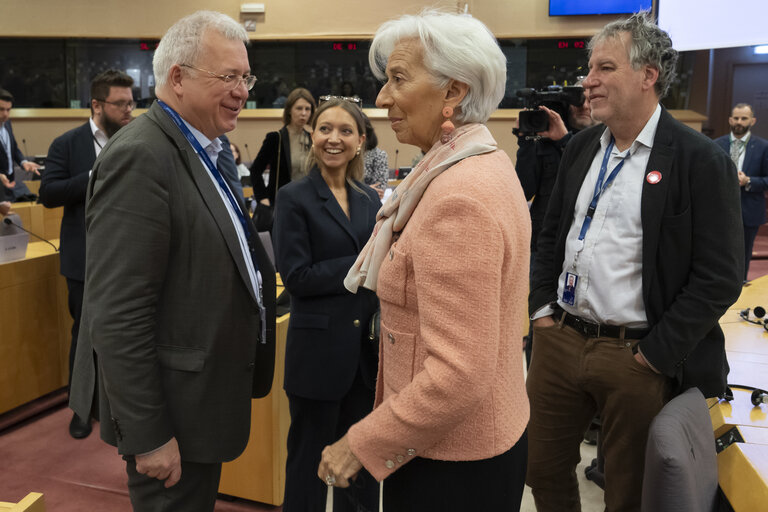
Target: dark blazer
275,152
693,249
536,167
315,246
169,309
756,167
16,154
64,183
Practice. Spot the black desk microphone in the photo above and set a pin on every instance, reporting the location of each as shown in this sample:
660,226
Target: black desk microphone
11,223
759,397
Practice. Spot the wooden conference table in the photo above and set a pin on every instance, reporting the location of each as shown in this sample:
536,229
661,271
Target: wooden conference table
743,465
34,327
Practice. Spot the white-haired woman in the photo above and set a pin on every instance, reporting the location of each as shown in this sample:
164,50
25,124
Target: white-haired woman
449,260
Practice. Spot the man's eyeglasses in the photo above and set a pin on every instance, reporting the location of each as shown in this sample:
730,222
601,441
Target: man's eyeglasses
352,99
122,104
233,81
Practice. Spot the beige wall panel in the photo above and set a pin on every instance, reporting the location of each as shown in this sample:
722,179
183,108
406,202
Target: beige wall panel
523,18
282,18
253,126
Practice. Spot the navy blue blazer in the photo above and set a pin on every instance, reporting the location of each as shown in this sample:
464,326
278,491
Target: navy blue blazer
315,245
756,167
65,183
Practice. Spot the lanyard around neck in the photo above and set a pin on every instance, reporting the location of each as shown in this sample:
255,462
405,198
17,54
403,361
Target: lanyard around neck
600,187
208,163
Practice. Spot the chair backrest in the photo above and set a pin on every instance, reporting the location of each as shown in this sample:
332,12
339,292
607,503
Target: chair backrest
32,502
266,241
680,458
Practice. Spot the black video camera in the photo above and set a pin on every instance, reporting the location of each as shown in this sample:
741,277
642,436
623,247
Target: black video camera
556,97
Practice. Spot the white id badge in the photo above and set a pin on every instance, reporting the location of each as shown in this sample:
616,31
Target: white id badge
569,288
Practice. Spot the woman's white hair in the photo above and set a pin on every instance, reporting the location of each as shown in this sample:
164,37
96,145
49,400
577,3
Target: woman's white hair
455,46
183,42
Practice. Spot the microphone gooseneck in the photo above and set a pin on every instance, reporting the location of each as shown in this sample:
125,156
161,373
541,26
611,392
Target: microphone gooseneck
11,223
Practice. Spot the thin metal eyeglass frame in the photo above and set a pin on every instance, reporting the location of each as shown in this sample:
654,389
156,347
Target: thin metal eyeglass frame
233,80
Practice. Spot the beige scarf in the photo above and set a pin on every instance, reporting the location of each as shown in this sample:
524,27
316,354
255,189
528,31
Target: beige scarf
468,140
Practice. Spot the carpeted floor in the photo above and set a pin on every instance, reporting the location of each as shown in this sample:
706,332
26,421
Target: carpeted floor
74,475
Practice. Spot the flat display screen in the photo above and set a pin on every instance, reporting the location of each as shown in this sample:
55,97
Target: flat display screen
705,24
585,7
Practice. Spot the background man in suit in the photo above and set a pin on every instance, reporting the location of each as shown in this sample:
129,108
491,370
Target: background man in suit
9,150
64,182
644,224
750,155
179,293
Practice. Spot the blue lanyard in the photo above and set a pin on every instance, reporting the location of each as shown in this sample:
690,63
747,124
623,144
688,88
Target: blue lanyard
600,187
215,172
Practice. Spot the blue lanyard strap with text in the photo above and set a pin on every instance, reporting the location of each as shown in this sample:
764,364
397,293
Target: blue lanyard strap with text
212,168
600,187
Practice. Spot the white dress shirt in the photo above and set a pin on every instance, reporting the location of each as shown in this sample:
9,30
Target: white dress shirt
5,140
744,140
609,260
99,137
212,148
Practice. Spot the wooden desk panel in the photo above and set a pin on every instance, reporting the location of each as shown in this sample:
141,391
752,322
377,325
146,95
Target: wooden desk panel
738,412
33,186
259,473
747,344
35,328
42,221
743,467
743,471
753,294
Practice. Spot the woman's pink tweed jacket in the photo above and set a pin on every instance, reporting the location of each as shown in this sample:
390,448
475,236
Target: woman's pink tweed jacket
453,293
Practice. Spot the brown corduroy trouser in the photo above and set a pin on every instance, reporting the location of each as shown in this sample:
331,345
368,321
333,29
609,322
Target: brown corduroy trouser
570,379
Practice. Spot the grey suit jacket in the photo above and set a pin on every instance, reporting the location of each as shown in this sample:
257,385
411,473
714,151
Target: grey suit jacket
169,310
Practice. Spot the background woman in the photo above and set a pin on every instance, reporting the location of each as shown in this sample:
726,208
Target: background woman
321,223
376,173
449,258
285,151
242,170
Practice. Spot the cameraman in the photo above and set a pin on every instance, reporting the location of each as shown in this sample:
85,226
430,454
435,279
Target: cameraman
538,159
